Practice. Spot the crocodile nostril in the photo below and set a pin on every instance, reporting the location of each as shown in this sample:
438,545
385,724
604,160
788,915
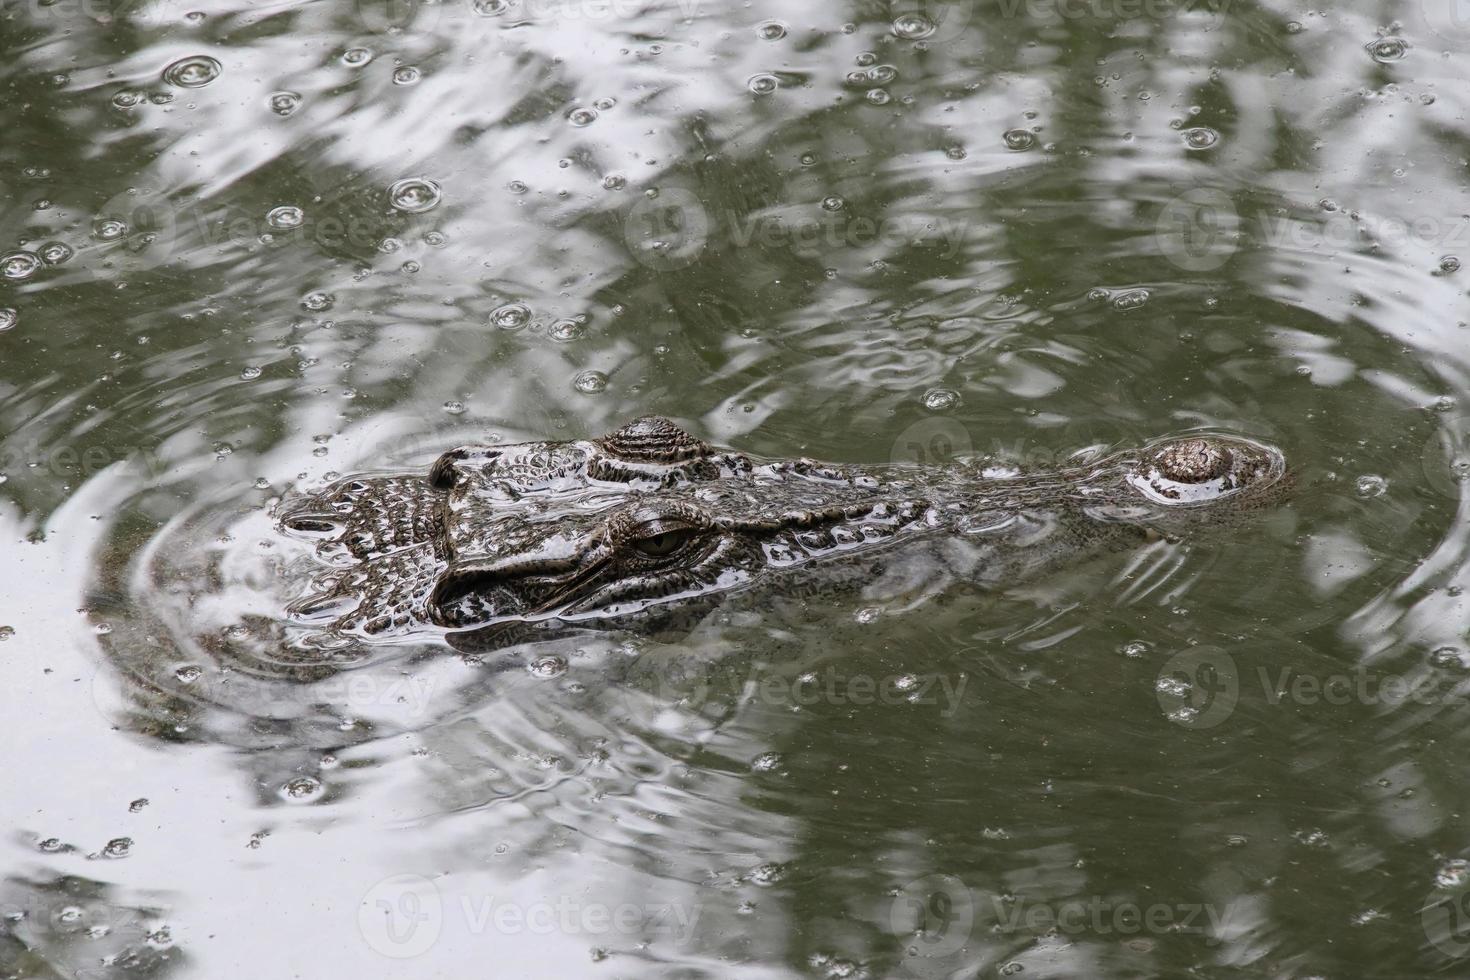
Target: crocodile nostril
1193,461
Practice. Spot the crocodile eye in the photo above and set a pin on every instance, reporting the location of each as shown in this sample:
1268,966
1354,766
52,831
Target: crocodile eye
664,543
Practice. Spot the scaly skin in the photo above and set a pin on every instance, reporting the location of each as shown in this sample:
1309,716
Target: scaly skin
649,521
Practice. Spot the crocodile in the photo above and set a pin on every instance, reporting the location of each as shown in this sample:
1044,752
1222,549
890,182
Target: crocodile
650,522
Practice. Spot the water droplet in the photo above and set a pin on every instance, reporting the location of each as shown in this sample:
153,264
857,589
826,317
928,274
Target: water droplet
302,789
1450,263
118,847
1019,139
590,382
1370,486
55,253
407,75
763,84
108,229
511,316
249,374
454,408
565,331
356,57
285,216
1388,49
582,116
413,195
913,27
549,666
941,399
284,103
1200,138
193,72
771,30
318,301
766,762
19,265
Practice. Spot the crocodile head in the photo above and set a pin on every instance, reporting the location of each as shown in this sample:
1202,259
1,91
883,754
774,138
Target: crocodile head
649,519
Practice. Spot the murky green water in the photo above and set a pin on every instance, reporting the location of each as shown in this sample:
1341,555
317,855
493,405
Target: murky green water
250,245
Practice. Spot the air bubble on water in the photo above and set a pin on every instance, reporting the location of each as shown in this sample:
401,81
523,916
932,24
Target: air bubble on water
913,26
1200,138
249,373
491,8
1448,658
614,182
763,84
605,103
1294,27
882,74
435,239
9,317
582,116
1453,874
318,301
1134,649
877,96
55,253
766,762
118,847
6,632
517,187
833,203
941,399
407,75
1450,263
414,195
356,57
565,330
1444,403
188,674
590,382
548,666
771,30
108,229
1019,139
867,614
284,103
1371,485
127,99
1130,299
192,72
1386,50
808,158
955,152
454,408
222,449
905,682
286,216
19,265
302,789
511,316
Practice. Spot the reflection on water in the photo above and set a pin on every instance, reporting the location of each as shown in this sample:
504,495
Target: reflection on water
251,247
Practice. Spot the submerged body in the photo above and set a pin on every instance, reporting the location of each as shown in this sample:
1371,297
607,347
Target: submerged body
649,523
